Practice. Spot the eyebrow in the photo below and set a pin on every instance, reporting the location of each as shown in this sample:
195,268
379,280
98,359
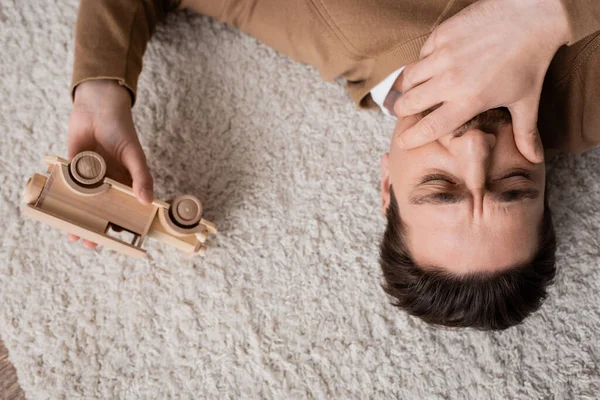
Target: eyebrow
490,121
509,196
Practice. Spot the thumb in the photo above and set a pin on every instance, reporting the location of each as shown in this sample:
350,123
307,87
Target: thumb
527,137
133,158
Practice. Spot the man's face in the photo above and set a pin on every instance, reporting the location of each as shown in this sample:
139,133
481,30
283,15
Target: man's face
470,201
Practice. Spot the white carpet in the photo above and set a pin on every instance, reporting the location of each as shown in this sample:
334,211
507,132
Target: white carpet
287,303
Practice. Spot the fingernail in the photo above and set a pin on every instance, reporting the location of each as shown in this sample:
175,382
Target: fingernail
146,195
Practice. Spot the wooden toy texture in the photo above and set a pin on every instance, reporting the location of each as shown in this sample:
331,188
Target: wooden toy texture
76,197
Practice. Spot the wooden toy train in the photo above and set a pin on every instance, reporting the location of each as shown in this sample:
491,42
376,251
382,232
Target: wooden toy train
77,197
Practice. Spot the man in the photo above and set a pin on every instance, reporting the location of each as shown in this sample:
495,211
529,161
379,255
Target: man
469,240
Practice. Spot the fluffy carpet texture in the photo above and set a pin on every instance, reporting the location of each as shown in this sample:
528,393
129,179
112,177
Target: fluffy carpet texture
287,303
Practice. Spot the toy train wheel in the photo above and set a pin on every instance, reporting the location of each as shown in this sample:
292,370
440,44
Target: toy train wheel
186,211
34,188
88,168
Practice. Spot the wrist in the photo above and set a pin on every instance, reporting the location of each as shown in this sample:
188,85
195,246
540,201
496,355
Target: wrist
556,20
545,21
95,90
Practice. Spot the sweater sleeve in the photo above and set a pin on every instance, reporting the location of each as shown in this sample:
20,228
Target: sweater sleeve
584,18
360,41
111,38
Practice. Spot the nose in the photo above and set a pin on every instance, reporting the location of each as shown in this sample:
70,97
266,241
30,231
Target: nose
473,150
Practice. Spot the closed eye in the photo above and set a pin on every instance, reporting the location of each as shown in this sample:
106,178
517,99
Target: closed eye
437,198
449,191
441,198
511,196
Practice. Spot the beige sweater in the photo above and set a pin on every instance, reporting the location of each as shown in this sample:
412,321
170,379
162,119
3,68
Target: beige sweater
359,40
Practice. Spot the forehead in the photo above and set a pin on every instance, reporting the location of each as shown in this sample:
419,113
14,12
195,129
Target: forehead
452,240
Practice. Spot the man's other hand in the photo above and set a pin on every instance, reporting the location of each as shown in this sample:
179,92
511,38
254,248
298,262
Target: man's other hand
494,53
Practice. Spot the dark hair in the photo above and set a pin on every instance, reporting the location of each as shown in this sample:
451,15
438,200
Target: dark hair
485,301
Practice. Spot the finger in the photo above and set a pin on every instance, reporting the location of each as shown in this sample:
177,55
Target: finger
133,158
444,120
88,244
413,75
419,99
527,137
72,238
402,124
